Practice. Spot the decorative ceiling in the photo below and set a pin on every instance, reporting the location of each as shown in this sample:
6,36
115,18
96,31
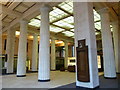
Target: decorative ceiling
61,17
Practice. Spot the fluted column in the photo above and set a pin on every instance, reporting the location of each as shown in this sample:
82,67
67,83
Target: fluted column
108,53
44,48
53,57
0,40
84,29
21,64
10,49
35,52
0,53
66,55
116,33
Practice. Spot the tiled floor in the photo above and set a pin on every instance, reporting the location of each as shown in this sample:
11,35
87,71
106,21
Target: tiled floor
30,81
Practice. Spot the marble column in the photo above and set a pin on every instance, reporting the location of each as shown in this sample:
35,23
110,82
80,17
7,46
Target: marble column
53,56
44,46
10,50
22,50
35,52
107,44
66,55
84,29
116,45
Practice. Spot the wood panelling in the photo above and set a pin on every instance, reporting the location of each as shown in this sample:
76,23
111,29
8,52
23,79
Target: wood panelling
82,62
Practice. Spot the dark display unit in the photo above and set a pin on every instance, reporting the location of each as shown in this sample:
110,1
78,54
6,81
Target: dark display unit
82,62
59,57
59,63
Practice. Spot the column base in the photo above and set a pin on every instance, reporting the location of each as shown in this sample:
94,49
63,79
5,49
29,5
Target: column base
32,71
21,75
110,77
87,88
118,72
52,70
44,80
9,73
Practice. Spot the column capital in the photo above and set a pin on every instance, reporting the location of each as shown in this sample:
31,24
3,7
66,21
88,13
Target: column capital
66,42
35,34
24,21
11,30
53,38
45,7
103,10
114,22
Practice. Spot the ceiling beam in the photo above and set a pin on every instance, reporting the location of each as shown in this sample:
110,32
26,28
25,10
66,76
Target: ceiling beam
5,23
1,17
15,4
32,30
6,10
28,14
71,14
60,27
60,18
66,29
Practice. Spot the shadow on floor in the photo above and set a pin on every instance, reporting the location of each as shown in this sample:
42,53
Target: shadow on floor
104,84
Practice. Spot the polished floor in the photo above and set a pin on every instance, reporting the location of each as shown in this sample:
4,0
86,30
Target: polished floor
104,84
30,81
58,79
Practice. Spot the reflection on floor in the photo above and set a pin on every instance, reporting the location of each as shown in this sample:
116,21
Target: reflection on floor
30,81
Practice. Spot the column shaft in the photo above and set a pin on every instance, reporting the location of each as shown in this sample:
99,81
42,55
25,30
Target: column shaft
0,40
66,55
116,45
53,57
0,52
84,29
35,53
107,44
22,52
44,48
10,50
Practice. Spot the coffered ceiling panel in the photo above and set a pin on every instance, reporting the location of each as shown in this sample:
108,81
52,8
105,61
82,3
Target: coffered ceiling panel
61,16
21,8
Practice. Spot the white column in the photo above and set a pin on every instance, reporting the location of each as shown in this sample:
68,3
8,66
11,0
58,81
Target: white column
53,57
66,55
84,29
107,44
44,48
35,52
0,48
116,45
0,40
22,52
10,50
